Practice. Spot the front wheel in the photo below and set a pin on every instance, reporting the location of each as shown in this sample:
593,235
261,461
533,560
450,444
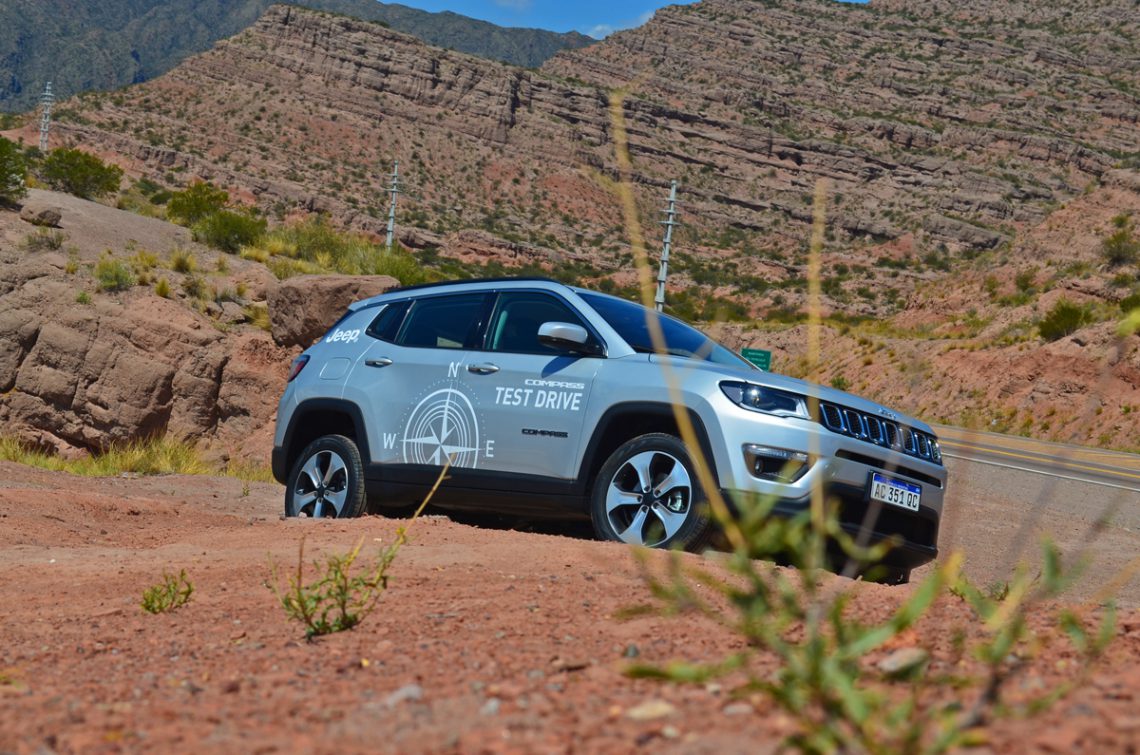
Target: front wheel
327,480
647,493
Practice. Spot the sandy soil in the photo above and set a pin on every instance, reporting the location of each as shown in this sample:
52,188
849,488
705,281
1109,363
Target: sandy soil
487,640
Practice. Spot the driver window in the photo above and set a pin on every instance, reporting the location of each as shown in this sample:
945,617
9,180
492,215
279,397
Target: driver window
514,326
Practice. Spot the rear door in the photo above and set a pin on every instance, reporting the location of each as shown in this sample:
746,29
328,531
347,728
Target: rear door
411,387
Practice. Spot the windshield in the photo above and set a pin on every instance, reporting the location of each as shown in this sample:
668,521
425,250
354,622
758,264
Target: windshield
630,320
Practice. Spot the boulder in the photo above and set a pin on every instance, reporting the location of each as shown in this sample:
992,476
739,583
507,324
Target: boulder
301,309
41,215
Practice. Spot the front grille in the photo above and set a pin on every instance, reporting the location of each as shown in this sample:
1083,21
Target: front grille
880,432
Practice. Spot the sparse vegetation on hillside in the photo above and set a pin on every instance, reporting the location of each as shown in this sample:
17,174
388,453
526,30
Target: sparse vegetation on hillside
80,173
229,230
195,203
13,172
314,246
113,275
1065,318
1121,247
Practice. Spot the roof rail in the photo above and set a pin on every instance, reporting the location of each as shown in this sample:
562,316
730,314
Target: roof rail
502,279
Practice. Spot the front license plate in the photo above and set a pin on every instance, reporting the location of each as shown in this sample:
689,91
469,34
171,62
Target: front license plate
895,492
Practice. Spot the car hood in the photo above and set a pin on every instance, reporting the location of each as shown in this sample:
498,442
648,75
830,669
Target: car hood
795,385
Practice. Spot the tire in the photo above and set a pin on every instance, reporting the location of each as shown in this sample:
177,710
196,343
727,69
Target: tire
327,480
627,503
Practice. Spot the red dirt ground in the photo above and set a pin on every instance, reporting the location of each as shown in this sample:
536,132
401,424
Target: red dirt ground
487,640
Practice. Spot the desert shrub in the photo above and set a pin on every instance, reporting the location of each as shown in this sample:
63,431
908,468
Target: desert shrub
228,230
182,261
83,298
1130,302
13,172
1121,247
79,173
44,240
258,316
162,288
194,287
196,202
113,275
173,592
1063,319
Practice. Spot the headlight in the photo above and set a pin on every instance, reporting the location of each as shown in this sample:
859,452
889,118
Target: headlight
761,398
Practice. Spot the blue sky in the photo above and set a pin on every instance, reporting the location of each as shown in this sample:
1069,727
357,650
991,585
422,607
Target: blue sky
594,17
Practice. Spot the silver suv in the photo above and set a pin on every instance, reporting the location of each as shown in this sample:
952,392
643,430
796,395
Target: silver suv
549,400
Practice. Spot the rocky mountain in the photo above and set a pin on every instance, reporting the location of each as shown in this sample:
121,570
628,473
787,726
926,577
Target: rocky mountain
976,155
105,45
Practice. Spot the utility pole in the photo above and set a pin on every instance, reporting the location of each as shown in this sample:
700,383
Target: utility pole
669,222
47,99
394,190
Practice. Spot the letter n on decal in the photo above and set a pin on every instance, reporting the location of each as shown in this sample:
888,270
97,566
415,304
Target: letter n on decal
453,369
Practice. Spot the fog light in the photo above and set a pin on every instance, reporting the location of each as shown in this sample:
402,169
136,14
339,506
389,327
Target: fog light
776,464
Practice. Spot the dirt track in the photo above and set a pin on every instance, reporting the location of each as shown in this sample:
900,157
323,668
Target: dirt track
488,640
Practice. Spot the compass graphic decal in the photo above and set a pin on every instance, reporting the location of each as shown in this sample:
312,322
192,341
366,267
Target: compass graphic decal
443,425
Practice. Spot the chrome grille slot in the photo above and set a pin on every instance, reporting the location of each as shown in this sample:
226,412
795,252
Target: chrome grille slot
881,432
855,423
892,432
832,417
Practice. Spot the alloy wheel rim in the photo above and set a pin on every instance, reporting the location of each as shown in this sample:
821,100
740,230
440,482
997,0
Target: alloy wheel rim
648,498
321,489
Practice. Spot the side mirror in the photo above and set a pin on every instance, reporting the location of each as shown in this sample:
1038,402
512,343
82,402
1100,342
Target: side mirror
565,336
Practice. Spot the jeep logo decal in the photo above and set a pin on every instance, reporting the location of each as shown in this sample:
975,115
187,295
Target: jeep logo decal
344,336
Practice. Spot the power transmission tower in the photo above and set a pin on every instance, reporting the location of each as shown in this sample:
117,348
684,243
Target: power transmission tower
669,222
394,190
47,99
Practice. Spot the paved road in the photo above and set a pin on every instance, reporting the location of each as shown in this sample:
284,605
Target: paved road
1007,494
1111,469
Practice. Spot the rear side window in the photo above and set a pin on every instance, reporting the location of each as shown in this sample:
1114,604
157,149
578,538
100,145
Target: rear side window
442,322
387,323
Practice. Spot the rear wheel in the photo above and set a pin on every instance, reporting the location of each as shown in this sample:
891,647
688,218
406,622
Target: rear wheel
647,493
327,480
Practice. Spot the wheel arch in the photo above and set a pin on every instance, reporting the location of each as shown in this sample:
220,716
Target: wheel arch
622,422
314,418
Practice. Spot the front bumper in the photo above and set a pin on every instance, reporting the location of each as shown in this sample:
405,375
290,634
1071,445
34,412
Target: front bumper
843,466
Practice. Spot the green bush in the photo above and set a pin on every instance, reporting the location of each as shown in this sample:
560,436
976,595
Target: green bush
79,173
1130,302
13,172
113,274
1121,247
228,230
1063,319
195,203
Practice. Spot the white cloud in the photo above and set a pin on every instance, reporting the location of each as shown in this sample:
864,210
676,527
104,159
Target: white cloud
517,5
601,31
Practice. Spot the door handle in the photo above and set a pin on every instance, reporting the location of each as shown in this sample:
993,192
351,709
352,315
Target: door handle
378,362
483,369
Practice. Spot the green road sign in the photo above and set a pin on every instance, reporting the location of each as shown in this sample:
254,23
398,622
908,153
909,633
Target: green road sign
758,357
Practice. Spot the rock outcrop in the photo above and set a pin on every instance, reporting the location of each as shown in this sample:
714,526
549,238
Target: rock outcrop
87,371
301,309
